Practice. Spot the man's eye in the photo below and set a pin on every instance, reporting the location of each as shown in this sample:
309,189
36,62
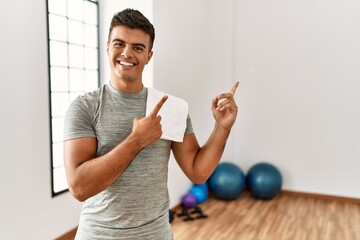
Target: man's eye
139,49
119,44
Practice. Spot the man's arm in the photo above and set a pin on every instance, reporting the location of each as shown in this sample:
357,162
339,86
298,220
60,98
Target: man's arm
199,163
88,175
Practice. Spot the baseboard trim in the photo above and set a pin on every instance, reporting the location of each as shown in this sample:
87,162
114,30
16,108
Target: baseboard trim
69,235
321,196
177,207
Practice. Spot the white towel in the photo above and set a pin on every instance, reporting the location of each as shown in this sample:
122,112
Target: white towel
173,114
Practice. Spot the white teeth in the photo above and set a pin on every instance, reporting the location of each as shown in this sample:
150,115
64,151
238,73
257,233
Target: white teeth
126,63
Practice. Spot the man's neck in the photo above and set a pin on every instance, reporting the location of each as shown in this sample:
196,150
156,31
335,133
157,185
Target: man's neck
126,86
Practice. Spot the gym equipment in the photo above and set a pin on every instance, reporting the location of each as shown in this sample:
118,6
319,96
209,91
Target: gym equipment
171,215
264,180
188,200
185,213
227,181
200,193
197,213
203,186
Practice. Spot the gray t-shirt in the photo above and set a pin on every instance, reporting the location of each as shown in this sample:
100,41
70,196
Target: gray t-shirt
136,205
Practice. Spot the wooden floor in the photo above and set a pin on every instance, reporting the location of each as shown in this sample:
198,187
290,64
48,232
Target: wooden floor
288,216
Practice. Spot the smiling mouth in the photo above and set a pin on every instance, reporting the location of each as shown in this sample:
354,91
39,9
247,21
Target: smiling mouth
125,63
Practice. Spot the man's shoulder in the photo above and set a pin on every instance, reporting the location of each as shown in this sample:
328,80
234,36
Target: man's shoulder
95,94
88,100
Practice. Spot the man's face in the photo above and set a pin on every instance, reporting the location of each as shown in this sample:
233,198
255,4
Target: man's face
128,53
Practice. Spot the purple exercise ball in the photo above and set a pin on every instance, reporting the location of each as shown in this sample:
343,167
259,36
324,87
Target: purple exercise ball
189,200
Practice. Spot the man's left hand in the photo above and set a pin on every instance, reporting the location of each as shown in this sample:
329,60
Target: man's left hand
225,109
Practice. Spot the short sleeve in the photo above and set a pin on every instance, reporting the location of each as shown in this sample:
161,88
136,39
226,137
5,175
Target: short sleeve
78,120
189,127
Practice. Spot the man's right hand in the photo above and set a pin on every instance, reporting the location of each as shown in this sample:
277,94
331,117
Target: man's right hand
148,129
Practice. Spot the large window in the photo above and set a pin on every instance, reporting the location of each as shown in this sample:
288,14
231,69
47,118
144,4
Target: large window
73,33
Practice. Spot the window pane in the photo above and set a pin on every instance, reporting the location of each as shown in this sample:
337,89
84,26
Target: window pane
90,36
57,127
76,56
75,32
59,104
58,54
91,60
58,153
91,80
75,9
76,80
57,6
58,28
74,95
59,79
90,13
60,182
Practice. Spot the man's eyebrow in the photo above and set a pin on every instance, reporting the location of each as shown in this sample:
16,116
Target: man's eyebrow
139,44
136,44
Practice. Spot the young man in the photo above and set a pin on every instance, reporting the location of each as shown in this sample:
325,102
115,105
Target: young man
115,160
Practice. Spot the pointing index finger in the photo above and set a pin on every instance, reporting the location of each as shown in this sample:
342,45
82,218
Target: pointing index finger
158,106
233,89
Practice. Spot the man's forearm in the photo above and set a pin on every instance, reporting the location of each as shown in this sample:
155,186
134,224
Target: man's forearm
95,175
210,154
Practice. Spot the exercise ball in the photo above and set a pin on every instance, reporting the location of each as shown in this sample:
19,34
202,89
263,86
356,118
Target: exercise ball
227,181
203,186
188,200
264,181
200,193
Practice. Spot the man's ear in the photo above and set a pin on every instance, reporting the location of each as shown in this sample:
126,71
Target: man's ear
150,54
107,47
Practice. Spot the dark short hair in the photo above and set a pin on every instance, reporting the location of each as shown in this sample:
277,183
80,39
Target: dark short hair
133,19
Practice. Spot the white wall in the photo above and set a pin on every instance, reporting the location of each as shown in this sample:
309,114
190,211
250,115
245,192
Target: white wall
27,209
299,99
300,102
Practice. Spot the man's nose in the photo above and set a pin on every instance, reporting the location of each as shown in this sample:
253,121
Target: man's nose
127,51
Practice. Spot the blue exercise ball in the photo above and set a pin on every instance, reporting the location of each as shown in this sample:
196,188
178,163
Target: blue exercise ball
264,180
203,186
227,182
200,193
